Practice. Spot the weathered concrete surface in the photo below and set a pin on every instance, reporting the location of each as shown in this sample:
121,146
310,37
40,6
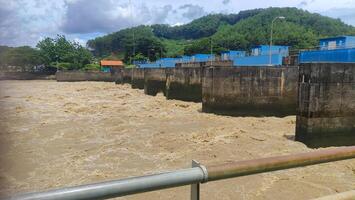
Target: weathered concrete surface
137,78
27,75
326,103
73,76
117,74
226,63
250,91
126,75
155,80
184,83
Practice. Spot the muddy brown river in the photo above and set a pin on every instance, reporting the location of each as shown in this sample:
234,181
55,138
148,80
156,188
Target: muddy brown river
56,134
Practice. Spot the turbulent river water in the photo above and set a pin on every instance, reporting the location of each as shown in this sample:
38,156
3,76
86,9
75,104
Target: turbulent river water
56,134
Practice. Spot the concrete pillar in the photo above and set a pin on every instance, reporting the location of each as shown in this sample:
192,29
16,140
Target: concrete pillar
250,91
326,104
126,75
116,74
184,83
154,80
137,78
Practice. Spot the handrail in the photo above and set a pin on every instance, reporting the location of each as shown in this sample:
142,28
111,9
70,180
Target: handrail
194,175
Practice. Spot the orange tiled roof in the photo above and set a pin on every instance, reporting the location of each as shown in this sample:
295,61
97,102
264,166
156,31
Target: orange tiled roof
115,63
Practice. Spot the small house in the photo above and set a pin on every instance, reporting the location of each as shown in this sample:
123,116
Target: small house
340,42
110,65
339,49
202,57
262,50
230,55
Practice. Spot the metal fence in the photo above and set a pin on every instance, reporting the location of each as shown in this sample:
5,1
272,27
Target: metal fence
191,176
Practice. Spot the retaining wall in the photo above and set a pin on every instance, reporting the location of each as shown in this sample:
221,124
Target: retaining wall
155,80
27,76
137,78
72,76
250,91
184,83
326,103
126,75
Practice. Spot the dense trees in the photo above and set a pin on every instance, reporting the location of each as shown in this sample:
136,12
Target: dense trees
58,52
132,41
20,56
202,27
63,53
300,29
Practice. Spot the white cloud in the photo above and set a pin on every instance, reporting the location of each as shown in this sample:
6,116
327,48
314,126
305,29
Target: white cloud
25,22
347,15
192,11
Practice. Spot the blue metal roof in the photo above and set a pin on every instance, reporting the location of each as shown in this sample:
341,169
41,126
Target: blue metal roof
338,37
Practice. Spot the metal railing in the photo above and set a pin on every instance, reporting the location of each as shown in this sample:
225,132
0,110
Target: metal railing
191,176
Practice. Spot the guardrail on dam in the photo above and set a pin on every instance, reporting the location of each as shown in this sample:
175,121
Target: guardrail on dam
191,176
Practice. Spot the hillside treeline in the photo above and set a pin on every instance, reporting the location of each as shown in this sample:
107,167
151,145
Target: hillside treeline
300,29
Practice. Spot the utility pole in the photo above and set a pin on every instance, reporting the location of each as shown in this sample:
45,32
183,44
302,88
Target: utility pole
272,24
211,51
133,36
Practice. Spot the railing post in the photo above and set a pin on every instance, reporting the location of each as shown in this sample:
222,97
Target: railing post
195,188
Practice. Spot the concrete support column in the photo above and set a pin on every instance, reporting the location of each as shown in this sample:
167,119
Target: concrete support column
326,104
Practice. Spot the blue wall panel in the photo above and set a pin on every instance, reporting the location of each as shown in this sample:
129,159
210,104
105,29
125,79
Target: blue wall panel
337,55
263,60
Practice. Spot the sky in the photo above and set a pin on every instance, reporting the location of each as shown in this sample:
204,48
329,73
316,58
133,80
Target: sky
25,22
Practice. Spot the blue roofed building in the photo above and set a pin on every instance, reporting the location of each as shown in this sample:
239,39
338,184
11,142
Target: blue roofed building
341,42
230,55
260,56
202,57
334,49
161,63
262,50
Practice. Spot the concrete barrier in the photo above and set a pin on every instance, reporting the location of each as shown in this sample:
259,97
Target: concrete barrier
184,83
126,75
27,75
155,80
250,91
72,76
326,103
137,78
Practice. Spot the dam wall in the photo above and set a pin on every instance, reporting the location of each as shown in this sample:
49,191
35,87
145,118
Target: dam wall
250,91
137,78
73,76
326,104
155,80
185,83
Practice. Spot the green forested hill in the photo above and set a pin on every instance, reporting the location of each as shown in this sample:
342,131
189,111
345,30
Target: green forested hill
300,29
202,27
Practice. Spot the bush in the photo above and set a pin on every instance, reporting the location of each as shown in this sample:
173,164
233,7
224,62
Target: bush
92,67
65,66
